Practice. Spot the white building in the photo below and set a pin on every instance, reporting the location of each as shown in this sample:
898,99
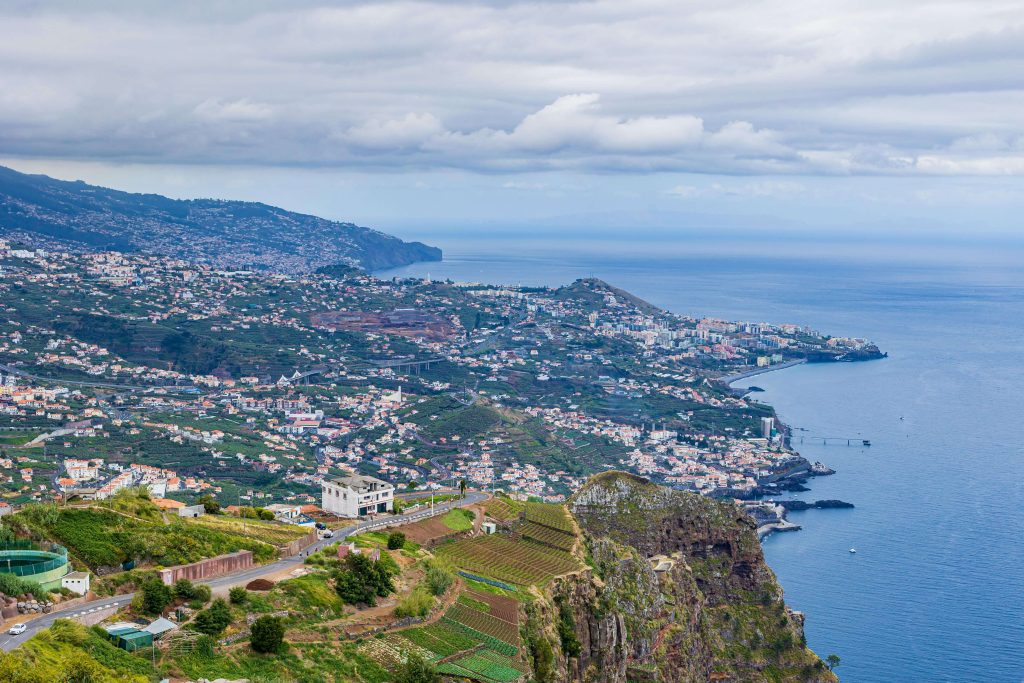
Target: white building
357,496
76,582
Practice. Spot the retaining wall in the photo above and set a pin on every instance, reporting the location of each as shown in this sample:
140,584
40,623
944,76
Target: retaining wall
209,568
299,544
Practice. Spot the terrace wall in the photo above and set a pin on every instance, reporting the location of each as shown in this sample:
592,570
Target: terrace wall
208,568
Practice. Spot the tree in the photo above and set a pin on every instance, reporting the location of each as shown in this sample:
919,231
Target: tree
363,580
267,634
213,620
238,595
210,504
184,589
832,661
155,596
396,540
416,670
412,485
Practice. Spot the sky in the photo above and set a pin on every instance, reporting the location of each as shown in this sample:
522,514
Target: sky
789,115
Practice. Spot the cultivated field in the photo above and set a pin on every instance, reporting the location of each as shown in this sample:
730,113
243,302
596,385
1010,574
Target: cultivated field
523,562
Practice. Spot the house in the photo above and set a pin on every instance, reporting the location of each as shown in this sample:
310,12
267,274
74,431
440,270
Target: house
285,513
5,508
191,511
76,582
357,496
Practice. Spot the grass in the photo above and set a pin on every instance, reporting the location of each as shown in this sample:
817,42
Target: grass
103,538
70,651
275,533
459,519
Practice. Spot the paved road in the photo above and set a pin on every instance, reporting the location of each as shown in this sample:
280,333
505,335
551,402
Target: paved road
9,642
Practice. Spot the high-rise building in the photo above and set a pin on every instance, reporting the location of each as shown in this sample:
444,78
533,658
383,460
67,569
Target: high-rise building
767,426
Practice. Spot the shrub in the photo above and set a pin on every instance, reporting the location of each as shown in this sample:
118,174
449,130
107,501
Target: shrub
416,670
438,579
238,595
203,593
396,540
155,596
416,604
213,620
184,589
267,634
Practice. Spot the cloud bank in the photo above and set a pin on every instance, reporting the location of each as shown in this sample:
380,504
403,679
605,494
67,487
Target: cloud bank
852,87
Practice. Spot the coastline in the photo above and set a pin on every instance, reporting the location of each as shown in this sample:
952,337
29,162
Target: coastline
728,380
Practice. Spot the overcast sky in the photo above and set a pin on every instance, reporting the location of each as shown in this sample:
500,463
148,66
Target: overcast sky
794,113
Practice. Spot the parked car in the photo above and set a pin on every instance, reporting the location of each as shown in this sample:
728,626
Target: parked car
18,629
328,534
321,526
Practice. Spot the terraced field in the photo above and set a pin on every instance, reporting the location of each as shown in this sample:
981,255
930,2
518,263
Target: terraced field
464,643
485,665
484,622
503,509
548,536
521,562
550,515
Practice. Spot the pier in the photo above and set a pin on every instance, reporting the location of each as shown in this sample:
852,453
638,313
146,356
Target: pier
850,440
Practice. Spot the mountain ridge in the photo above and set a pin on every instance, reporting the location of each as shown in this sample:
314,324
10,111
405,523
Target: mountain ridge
230,234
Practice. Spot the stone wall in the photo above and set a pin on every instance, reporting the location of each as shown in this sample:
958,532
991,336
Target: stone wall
209,568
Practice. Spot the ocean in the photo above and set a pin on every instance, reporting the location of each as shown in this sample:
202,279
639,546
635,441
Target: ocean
935,591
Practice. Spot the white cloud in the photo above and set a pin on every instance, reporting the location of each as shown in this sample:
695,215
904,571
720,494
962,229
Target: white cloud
792,86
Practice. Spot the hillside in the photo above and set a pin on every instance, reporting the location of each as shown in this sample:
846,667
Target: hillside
628,582
224,233
681,593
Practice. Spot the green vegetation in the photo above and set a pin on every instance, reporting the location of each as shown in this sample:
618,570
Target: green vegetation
154,596
416,670
213,620
417,604
238,595
396,540
70,652
523,562
267,634
438,579
100,537
459,519
362,580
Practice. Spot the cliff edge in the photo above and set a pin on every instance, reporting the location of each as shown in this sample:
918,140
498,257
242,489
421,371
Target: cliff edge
677,590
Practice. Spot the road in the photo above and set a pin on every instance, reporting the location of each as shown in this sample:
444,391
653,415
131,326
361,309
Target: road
9,642
11,370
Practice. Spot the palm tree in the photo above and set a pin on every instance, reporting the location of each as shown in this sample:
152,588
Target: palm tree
462,488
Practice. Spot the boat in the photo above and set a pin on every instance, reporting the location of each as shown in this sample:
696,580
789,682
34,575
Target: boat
866,442
853,550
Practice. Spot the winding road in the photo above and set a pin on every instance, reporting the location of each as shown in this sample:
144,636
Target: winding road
9,642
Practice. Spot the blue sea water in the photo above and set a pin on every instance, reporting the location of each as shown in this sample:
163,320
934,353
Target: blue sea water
935,591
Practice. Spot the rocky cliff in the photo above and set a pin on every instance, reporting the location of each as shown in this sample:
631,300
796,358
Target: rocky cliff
677,590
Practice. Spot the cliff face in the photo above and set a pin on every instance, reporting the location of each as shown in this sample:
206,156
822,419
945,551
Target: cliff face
678,590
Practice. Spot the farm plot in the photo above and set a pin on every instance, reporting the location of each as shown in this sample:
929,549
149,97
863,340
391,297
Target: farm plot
503,510
486,666
441,639
549,515
522,562
506,609
427,530
548,536
484,623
